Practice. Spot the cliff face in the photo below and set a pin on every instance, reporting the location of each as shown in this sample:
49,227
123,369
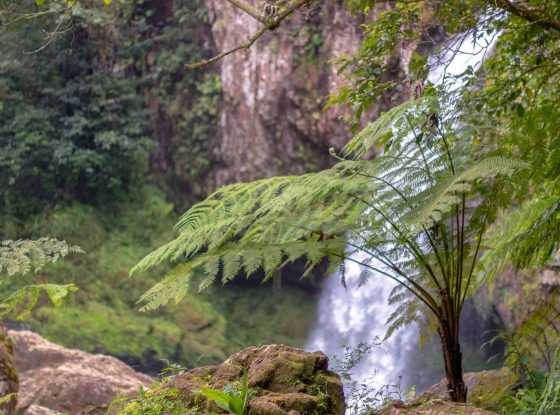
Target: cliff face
269,118
272,119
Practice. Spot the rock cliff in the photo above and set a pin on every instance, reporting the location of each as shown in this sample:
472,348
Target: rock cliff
272,119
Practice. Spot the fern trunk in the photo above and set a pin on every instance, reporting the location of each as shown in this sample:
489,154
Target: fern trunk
453,359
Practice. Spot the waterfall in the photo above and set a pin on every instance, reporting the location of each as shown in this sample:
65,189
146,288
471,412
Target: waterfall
356,314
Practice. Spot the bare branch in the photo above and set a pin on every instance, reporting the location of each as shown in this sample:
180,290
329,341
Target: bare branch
240,4
222,55
270,24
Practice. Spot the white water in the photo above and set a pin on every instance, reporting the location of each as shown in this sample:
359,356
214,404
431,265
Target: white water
357,315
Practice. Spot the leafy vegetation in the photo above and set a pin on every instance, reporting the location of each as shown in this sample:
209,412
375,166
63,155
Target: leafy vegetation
21,257
408,213
83,123
153,402
234,398
103,316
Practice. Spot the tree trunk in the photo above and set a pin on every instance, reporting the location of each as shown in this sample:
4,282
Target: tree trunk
453,359
9,383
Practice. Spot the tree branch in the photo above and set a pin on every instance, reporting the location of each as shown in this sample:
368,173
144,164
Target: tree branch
270,24
240,4
532,14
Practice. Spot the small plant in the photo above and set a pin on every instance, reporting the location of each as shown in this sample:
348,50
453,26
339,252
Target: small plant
151,402
234,398
363,398
541,393
18,258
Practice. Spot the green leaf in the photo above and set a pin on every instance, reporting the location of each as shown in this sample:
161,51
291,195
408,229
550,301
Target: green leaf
222,399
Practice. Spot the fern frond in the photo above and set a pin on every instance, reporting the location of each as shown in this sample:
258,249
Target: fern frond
22,256
235,257
526,237
378,133
447,194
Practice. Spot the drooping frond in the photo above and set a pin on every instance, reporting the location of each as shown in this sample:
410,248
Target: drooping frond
278,210
22,256
380,207
229,261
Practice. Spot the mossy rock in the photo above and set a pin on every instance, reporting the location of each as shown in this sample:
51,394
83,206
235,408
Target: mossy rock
284,381
486,389
433,407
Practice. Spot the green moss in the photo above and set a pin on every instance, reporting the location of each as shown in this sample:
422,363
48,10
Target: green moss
103,315
100,328
153,402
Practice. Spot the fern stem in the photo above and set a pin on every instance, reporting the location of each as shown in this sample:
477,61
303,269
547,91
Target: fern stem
388,263
428,301
474,259
413,248
446,145
405,199
461,254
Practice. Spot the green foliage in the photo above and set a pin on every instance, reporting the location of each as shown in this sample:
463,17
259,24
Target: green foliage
24,256
233,398
261,226
102,317
67,132
79,118
152,402
541,396
519,116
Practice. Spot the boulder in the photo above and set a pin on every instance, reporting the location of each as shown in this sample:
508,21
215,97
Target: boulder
285,381
486,388
433,407
55,379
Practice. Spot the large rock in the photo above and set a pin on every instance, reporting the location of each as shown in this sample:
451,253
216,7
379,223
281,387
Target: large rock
55,379
486,388
285,380
434,407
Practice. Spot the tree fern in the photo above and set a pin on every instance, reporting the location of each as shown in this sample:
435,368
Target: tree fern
414,214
